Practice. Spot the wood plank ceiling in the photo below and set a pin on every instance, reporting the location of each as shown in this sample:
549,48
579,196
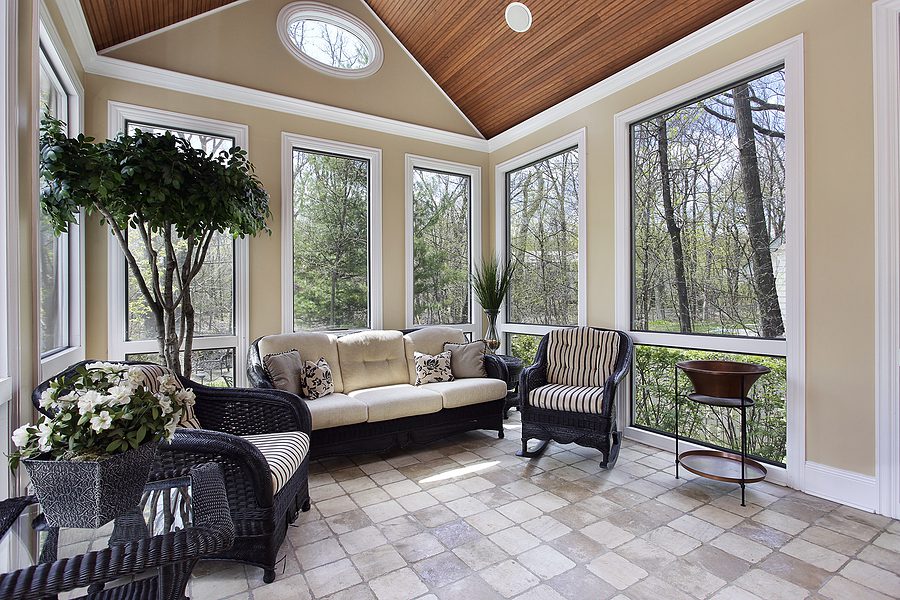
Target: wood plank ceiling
497,77
112,22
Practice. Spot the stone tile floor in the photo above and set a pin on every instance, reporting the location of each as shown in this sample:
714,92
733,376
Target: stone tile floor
467,519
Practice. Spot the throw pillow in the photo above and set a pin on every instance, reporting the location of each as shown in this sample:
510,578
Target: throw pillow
154,376
317,379
433,369
285,370
467,360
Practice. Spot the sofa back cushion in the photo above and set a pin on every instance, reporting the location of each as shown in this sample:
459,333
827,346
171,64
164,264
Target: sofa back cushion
312,345
429,340
581,356
371,359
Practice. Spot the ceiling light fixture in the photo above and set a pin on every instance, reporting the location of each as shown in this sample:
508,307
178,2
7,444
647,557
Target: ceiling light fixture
518,17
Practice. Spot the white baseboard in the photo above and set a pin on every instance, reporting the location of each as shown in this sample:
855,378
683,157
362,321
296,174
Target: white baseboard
847,487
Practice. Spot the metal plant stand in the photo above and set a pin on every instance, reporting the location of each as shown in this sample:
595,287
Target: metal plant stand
723,384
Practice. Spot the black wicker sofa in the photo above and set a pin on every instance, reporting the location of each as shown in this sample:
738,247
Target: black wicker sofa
375,407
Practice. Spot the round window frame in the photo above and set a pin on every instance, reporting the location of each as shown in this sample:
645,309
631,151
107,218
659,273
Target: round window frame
330,15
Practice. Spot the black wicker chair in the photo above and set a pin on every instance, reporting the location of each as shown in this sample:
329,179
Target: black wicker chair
593,428
260,516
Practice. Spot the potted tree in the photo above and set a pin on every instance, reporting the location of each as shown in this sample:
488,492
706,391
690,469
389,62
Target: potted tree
90,452
491,284
174,197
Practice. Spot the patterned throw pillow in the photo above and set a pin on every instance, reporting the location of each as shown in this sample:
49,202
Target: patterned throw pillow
317,380
433,369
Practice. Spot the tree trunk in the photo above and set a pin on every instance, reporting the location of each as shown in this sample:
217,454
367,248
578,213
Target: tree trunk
684,310
763,274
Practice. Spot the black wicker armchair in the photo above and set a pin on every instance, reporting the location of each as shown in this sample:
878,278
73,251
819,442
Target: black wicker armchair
570,395
238,424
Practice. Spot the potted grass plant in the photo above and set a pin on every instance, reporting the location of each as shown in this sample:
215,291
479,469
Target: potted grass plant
491,284
90,452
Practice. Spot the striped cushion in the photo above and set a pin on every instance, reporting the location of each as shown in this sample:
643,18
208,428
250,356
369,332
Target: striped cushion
151,374
567,397
284,453
581,356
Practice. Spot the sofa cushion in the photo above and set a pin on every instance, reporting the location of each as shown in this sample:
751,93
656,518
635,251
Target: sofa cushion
311,344
463,392
581,356
567,397
371,359
429,340
432,369
285,370
335,410
397,401
317,379
467,360
284,453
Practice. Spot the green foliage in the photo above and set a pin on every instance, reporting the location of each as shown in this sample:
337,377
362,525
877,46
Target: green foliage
491,283
523,346
654,392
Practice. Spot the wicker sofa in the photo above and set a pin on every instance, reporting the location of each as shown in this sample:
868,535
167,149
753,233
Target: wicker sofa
375,406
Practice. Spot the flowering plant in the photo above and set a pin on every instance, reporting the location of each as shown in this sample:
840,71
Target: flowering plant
101,409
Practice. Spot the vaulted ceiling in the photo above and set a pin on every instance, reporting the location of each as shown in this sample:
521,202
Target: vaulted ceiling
497,77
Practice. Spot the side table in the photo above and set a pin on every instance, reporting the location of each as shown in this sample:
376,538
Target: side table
514,365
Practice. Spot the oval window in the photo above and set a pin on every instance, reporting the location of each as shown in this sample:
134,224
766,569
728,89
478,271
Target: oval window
329,40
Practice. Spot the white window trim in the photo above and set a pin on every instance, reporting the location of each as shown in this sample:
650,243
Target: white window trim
290,141
53,50
119,114
333,16
789,53
474,326
576,139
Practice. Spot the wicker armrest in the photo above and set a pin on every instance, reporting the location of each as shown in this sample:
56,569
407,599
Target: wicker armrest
249,411
623,365
191,447
213,531
531,378
495,368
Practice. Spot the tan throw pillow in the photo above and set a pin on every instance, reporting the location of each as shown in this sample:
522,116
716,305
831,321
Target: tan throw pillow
317,379
433,369
467,360
285,370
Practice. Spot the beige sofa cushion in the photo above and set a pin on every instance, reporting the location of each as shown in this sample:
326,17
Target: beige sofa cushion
334,410
312,345
371,359
463,392
429,340
397,401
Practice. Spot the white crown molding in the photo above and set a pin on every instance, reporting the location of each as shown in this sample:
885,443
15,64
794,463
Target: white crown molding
729,25
838,485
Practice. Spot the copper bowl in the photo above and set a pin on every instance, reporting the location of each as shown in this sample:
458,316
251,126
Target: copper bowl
722,378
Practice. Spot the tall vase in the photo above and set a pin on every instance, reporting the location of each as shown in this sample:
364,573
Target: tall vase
491,337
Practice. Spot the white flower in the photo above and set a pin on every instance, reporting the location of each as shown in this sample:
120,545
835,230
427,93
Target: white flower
47,398
186,397
20,436
107,367
171,425
45,430
121,394
136,376
167,383
89,400
165,404
101,422
66,400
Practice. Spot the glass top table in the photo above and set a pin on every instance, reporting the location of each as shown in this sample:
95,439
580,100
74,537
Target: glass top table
146,553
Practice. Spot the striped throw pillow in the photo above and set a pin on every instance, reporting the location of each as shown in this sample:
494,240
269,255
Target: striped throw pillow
581,356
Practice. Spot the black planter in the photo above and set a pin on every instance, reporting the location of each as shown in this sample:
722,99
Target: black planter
90,494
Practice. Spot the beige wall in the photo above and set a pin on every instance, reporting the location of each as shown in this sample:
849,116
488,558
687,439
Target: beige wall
840,259
265,128
233,44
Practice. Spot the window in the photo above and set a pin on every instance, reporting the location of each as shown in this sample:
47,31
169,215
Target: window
709,276
443,227
329,40
219,292
9,268
541,233
333,205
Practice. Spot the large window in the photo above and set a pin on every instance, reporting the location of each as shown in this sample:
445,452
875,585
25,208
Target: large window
541,232
443,229
332,285
708,256
218,299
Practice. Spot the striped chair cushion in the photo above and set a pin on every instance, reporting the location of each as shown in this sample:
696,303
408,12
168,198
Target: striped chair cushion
284,453
567,397
581,356
151,374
